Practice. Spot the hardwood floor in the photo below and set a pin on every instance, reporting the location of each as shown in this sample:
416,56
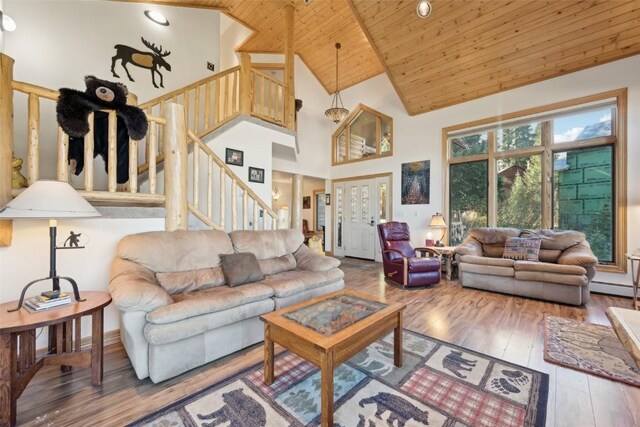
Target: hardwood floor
503,326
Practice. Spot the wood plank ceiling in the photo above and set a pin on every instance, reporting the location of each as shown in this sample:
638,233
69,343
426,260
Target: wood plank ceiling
464,50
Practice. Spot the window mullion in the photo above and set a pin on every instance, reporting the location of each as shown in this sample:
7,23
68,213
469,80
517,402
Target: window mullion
492,209
547,175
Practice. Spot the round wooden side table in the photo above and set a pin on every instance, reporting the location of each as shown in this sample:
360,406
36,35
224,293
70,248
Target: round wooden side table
18,361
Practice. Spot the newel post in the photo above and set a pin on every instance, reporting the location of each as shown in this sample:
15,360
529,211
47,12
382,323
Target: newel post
246,94
289,81
175,167
6,142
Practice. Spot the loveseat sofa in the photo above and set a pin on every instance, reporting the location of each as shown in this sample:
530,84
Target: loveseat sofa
177,311
565,268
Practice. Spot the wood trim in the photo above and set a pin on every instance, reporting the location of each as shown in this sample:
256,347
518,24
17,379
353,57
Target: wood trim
346,124
183,3
314,207
548,108
547,148
268,65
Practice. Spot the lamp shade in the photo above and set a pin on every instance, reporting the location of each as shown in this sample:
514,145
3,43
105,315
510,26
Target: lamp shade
437,221
48,200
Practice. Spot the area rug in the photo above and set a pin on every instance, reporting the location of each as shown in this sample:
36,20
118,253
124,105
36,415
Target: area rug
439,384
587,347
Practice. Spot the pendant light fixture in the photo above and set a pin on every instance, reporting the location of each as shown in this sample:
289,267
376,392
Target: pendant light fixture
337,112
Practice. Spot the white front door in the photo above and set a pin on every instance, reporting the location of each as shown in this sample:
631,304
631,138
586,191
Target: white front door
360,219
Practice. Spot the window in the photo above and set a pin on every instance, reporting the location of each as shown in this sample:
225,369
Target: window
364,135
560,166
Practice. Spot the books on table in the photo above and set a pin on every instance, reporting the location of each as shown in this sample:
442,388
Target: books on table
40,302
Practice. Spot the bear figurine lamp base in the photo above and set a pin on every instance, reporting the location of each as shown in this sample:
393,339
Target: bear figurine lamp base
50,200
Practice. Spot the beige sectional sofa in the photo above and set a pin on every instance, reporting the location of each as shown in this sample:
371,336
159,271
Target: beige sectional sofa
565,268
176,310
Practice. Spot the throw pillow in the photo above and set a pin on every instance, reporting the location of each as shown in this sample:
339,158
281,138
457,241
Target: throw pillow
241,268
521,249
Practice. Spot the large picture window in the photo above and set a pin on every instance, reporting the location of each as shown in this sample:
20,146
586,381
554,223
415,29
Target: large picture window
365,134
560,166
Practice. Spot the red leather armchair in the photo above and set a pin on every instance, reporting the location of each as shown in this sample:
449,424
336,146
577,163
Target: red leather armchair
399,259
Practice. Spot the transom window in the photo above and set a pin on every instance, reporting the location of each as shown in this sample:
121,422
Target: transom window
560,166
364,134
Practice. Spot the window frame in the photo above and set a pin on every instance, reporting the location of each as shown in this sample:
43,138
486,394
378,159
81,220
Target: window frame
346,126
545,114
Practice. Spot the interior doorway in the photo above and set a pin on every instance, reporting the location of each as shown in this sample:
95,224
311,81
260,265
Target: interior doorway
360,204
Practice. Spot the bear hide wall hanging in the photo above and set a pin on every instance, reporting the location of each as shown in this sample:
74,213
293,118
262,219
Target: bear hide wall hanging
73,109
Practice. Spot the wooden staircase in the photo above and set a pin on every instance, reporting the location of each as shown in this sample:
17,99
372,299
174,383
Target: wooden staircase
193,179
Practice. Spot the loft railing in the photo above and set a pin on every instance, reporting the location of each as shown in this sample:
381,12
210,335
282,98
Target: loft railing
131,192
268,97
208,104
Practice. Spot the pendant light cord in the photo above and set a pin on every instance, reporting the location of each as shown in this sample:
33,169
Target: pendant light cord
337,50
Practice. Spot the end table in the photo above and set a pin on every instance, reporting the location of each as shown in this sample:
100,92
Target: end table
448,253
18,361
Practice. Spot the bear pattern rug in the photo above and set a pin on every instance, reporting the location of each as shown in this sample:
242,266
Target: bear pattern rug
439,384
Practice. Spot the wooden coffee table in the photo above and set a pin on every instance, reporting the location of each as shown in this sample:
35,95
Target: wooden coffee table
310,330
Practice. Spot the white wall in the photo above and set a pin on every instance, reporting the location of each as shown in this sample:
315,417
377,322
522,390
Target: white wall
57,43
232,34
2,32
420,137
27,258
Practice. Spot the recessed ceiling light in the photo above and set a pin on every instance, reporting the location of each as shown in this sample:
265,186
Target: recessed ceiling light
6,22
156,17
424,9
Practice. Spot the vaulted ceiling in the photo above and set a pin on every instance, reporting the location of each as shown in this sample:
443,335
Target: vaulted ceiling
464,50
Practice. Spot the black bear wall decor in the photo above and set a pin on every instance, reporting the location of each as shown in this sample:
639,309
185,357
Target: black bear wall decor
150,61
73,109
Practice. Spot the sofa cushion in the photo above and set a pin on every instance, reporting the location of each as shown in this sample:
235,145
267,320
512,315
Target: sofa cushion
170,251
193,280
556,239
579,254
493,251
489,270
158,334
548,255
267,244
306,259
493,235
417,265
277,265
480,260
292,282
240,268
520,248
562,279
549,268
196,303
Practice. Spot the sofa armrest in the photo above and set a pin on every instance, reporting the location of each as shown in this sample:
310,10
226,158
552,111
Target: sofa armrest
306,259
579,254
469,247
134,287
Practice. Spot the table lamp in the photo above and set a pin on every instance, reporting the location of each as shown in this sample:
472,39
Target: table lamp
437,221
50,200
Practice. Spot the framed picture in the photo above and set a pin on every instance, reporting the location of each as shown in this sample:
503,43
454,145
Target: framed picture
327,199
256,175
415,183
234,157
306,202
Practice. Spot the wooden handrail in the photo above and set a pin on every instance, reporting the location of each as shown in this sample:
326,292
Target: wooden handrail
268,98
40,91
180,91
237,183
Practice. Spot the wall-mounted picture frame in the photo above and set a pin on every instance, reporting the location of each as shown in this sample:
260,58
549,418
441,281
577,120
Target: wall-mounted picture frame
306,202
256,175
327,199
234,157
415,182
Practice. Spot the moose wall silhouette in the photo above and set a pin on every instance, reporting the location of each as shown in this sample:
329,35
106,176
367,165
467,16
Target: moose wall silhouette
149,60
